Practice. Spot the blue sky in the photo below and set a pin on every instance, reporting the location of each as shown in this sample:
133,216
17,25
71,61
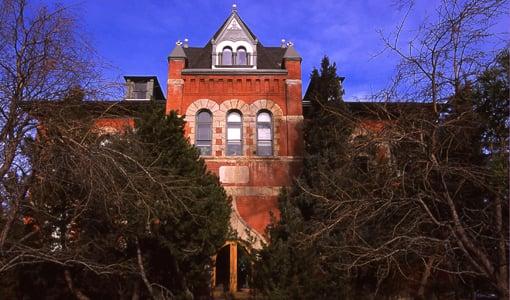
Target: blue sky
135,37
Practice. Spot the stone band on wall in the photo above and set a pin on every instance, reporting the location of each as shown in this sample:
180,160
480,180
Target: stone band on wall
249,112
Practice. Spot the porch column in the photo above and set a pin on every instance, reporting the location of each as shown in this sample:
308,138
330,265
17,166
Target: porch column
233,267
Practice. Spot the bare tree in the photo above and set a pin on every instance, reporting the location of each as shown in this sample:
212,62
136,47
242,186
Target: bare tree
433,206
448,53
424,217
409,203
41,57
450,47
128,215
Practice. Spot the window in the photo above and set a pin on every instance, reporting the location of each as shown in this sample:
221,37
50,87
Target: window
204,132
226,56
140,90
264,134
242,58
234,133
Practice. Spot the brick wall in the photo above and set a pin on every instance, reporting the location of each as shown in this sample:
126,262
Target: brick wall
254,182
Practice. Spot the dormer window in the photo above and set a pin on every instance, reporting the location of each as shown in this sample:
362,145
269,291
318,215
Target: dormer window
226,57
143,88
241,57
234,55
234,46
140,90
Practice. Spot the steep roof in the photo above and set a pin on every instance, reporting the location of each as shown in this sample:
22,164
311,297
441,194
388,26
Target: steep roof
268,58
291,53
235,15
199,57
177,52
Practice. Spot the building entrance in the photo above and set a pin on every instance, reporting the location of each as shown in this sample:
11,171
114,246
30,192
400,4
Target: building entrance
232,269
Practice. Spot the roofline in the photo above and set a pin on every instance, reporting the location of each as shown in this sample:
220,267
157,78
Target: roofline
389,103
141,76
234,71
121,108
395,102
233,14
293,58
156,82
176,58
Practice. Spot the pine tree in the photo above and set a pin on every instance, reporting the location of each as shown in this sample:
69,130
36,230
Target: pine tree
132,214
292,267
354,228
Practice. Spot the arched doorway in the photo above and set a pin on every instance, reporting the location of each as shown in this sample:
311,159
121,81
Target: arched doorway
244,268
222,269
232,269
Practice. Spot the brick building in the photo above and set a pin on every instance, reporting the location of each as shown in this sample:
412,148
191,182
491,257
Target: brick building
242,104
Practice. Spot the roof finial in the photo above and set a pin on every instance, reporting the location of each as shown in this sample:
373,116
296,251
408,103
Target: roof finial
234,7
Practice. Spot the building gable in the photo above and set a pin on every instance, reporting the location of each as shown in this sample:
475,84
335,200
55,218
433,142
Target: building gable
234,39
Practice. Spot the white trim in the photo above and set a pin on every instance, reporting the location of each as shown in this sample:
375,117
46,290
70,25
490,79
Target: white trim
234,46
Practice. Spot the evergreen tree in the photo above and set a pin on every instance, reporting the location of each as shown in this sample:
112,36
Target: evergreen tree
491,103
128,215
385,212
292,267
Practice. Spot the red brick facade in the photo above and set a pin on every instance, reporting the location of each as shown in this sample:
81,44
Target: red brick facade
253,181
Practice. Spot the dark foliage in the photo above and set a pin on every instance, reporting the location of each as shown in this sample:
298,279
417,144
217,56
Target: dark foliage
116,216
398,202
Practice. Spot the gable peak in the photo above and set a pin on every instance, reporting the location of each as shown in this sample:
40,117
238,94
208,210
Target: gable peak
234,23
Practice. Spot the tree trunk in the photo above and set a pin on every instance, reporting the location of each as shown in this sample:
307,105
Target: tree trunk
76,292
142,270
425,278
502,276
8,224
136,291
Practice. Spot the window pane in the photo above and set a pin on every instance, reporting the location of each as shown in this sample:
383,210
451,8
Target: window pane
139,95
264,148
264,132
234,148
140,86
204,147
241,57
204,117
234,117
226,57
204,132
234,132
264,117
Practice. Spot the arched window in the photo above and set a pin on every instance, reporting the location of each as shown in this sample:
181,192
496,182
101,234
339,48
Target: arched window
234,133
226,56
264,134
204,132
242,57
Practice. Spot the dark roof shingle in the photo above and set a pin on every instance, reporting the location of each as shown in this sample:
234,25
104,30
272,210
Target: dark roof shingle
268,58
